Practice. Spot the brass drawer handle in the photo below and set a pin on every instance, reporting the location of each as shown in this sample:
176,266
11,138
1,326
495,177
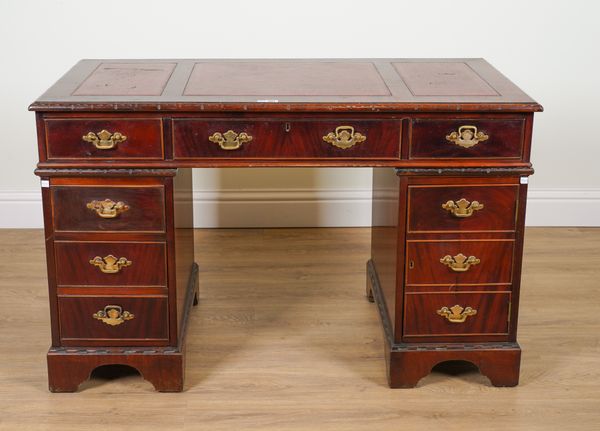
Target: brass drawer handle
113,315
230,140
467,136
460,262
344,137
456,314
462,207
104,140
107,208
110,264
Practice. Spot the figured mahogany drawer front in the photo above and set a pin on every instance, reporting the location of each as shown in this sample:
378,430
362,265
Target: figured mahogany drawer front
100,138
110,263
462,208
459,262
108,208
466,138
450,314
311,139
117,318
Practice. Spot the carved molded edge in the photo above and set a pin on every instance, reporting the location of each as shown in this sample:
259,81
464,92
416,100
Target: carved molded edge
500,171
47,172
392,107
114,351
169,350
413,347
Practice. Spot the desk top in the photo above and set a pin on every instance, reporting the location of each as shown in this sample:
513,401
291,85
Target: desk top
285,86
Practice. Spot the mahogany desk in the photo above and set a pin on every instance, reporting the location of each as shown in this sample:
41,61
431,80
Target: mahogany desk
449,141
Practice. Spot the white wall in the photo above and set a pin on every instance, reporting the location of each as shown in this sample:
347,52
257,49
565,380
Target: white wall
549,48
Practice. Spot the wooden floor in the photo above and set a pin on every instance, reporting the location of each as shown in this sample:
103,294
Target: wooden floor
284,339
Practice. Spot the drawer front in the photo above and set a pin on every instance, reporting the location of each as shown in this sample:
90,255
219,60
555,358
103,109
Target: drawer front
108,208
110,263
452,314
457,138
314,139
459,262
140,320
139,139
462,208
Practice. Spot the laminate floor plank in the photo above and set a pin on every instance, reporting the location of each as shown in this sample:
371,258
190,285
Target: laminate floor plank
284,339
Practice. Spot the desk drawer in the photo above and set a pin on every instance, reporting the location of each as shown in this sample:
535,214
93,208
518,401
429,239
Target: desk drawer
108,208
104,138
451,262
277,139
466,138
452,314
96,263
113,320
468,208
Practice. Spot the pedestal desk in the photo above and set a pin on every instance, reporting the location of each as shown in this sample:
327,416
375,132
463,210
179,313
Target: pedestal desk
449,142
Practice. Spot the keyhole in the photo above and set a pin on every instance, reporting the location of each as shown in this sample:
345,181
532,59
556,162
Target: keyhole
411,264
288,127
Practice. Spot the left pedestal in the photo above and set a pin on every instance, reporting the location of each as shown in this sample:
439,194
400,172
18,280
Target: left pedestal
121,272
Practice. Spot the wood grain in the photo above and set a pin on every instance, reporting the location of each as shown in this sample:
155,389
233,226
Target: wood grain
76,256
64,138
145,207
149,325
265,352
426,214
505,138
273,138
424,266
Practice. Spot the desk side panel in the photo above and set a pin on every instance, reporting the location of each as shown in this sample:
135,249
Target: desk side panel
183,247
384,234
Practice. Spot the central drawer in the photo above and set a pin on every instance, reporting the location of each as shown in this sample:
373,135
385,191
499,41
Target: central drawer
95,263
279,139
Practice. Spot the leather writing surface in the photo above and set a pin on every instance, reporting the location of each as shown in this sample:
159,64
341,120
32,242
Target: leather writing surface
130,79
332,85
443,79
286,79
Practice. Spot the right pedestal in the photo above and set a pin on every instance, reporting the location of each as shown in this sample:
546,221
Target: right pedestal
445,269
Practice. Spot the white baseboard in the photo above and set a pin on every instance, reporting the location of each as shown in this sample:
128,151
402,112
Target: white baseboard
312,208
21,209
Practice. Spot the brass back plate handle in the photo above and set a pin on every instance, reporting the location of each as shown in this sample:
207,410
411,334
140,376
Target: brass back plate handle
113,315
467,136
230,140
344,137
456,313
104,140
107,208
460,262
110,264
462,208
